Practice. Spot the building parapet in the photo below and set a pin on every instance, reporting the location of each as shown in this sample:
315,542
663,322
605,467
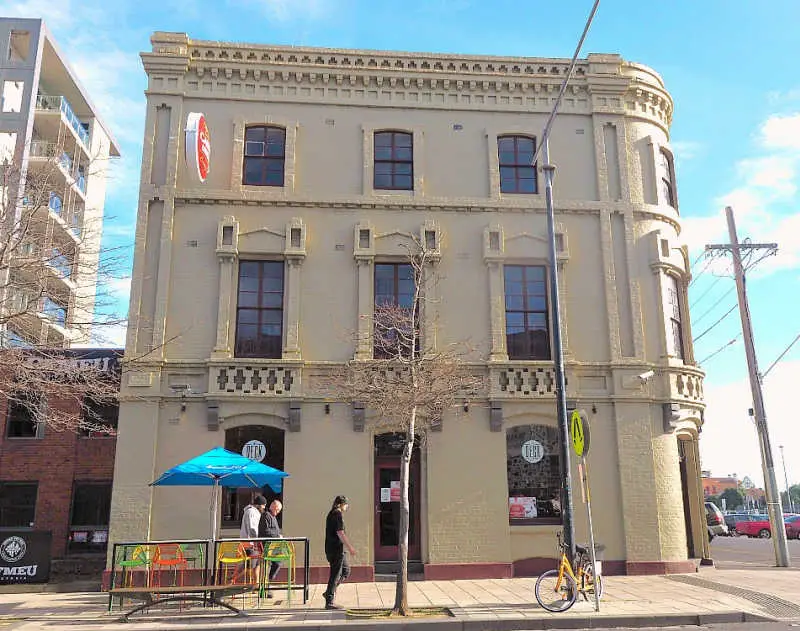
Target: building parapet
522,380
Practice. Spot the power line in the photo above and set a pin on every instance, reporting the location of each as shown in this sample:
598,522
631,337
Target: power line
697,260
705,293
711,308
780,357
727,313
702,271
722,348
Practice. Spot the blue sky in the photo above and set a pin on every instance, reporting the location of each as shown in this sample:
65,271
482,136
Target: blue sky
736,135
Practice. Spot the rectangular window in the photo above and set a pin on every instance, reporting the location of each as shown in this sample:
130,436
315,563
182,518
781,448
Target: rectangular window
527,328
19,45
259,310
55,311
264,156
24,415
95,413
515,157
18,504
394,287
88,527
675,332
534,475
394,161
12,96
666,173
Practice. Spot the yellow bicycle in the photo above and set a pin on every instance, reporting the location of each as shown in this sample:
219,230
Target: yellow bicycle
557,590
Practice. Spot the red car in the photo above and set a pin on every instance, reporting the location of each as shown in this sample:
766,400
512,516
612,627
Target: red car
762,529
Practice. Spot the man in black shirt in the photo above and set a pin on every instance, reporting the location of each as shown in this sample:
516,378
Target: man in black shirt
336,542
268,527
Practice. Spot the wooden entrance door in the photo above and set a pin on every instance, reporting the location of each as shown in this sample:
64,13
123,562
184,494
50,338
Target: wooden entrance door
387,506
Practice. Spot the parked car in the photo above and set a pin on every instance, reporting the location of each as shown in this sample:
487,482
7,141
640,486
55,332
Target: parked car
761,528
732,518
715,521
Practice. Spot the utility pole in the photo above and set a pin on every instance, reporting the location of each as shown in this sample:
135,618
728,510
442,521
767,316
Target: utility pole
786,480
767,462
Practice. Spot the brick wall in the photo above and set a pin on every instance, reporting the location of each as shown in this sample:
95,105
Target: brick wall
56,461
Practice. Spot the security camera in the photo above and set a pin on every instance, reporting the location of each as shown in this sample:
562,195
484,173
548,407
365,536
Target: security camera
646,376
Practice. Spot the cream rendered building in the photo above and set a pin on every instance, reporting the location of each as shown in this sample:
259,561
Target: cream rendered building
247,286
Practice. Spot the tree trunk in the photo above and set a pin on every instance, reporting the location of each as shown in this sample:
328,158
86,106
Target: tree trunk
401,594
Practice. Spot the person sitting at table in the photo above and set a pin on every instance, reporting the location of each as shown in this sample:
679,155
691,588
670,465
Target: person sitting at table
268,528
251,518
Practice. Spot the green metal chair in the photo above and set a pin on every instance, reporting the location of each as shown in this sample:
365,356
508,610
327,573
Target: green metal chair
281,552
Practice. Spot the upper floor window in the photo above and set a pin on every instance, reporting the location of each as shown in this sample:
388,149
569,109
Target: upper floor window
264,156
88,524
666,178
95,413
394,287
394,161
675,330
18,504
23,419
259,309
517,171
527,332
534,475
56,311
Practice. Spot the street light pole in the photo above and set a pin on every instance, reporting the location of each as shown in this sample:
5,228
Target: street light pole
786,480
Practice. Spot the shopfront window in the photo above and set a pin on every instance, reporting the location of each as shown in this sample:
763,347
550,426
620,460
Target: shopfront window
534,477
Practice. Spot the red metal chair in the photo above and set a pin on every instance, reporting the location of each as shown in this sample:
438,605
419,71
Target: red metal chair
168,556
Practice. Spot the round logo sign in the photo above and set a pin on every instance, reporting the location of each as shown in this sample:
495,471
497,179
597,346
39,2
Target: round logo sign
13,549
255,450
532,451
198,146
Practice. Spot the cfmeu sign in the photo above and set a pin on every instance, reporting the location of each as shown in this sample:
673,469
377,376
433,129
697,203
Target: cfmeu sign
198,146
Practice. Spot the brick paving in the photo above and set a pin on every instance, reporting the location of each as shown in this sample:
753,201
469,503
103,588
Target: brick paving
711,596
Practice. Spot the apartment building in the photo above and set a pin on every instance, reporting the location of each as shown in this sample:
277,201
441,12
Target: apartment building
55,150
280,187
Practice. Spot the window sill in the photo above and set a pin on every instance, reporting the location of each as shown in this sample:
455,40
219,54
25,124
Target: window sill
525,525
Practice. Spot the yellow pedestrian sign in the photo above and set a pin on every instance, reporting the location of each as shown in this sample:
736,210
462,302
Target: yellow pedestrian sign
579,432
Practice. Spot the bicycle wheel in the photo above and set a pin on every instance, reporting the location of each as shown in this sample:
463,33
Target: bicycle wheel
555,594
587,586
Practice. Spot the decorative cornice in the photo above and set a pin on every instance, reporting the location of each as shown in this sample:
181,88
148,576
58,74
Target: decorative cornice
603,83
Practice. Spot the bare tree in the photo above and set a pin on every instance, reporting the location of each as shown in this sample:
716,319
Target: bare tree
408,386
56,289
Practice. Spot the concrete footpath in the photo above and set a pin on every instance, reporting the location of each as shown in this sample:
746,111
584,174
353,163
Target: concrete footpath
712,596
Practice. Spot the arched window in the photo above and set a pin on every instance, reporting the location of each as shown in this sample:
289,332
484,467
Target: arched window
234,501
534,475
517,171
264,156
394,161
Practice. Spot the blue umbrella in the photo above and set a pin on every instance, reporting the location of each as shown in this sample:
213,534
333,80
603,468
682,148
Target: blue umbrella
220,467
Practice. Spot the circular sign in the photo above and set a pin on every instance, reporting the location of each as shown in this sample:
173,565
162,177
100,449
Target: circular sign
13,549
532,451
198,146
579,432
255,450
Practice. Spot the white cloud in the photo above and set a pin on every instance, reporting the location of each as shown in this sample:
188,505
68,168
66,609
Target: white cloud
729,443
684,150
56,14
766,199
782,132
107,336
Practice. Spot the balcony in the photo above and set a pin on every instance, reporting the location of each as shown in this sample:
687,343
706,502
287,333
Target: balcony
48,103
686,385
522,380
254,378
46,152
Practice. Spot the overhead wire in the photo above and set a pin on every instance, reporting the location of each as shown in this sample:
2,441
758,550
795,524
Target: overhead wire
720,349
702,271
727,313
780,357
706,292
711,308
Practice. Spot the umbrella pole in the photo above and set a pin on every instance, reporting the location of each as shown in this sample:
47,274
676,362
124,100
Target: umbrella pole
214,504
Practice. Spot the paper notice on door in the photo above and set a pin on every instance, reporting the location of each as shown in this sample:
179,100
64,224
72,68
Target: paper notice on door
386,495
395,491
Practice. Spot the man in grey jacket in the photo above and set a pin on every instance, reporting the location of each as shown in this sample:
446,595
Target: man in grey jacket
268,528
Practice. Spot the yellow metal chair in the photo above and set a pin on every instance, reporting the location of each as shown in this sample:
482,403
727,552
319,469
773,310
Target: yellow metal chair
280,552
139,558
232,555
